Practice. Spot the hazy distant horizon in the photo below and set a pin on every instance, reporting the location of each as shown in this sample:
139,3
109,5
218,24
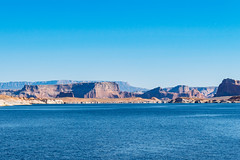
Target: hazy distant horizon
145,43
109,81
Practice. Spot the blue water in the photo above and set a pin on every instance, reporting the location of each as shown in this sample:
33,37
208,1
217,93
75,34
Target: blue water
120,131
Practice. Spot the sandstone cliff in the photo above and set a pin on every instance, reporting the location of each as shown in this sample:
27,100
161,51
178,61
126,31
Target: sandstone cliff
78,90
185,91
228,87
207,92
12,101
173,93
159,93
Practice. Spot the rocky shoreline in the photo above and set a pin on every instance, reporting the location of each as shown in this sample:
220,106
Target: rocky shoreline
210,100
13,101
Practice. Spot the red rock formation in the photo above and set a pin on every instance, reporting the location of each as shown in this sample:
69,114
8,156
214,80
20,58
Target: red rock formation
159,93
208,92
103,90
228,87
173,93
180,89
185,91
195,94
78,90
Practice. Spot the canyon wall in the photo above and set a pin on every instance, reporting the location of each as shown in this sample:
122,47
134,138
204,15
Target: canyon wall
78,90
228,87
173,93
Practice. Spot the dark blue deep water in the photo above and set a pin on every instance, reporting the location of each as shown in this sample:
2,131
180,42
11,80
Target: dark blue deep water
120,131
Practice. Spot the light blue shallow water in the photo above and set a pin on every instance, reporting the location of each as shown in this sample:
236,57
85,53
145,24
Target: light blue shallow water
120,131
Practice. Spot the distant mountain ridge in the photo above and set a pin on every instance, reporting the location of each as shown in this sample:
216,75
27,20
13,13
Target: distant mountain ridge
124,86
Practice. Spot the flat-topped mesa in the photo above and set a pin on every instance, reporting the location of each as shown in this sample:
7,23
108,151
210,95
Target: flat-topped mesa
228,87
78,90
180,89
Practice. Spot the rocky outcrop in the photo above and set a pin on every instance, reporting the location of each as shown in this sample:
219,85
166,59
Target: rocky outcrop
78,90
180,89
189,100
234,98
159,93
172,93
7,92
185,91
182,100
207,92
13,101
228,87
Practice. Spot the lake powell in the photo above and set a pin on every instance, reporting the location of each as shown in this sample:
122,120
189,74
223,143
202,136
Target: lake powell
120,131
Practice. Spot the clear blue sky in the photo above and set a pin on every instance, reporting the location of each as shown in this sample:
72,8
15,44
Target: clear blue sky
147,43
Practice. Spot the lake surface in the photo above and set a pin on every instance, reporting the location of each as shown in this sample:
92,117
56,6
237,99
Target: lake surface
120,131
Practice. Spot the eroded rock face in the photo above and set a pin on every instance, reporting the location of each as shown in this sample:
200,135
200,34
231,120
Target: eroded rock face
173,93
234,98
159,93
185,91
228,87
182,100
208,92
7,92
12,101
180,89
78,90
195,94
